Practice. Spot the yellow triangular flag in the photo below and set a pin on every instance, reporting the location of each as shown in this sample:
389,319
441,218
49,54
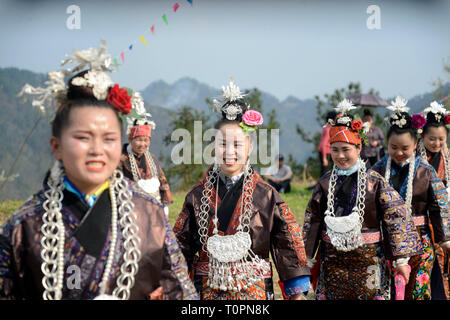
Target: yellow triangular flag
143,40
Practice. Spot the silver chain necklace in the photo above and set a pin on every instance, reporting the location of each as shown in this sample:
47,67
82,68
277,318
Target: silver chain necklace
445,159
232,264
53,239
345,232
409,187
150,186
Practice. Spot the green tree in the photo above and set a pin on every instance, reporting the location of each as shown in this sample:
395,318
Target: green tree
183,176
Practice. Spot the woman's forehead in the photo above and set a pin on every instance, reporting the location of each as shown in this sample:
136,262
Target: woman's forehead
230,132
401,139
436,132
341,145
92,118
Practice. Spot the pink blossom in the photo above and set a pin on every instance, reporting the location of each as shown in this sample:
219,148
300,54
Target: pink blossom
252,118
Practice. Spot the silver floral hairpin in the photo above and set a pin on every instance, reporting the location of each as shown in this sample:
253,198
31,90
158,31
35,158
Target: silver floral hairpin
230,93
95,59
98,62
398,106
138,105
344,106
438,110
44,97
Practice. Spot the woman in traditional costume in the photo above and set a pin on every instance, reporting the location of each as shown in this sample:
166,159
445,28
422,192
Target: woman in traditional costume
355,221
89,233
424,194
140,165
232,219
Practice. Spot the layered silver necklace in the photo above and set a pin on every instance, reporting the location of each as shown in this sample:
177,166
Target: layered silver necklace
345,232
53,239
409,187
151,185
445,159
233,266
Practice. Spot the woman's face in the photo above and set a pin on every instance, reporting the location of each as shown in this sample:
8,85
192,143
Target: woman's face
345,155
89,147
401,146
435,139
140,144
232,149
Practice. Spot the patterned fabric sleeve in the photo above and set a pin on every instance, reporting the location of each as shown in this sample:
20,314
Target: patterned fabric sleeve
6,271
186,231
439,209
166,195
176,281
313,223
288,250
402,237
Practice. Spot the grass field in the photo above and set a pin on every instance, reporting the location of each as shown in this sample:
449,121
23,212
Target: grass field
297,200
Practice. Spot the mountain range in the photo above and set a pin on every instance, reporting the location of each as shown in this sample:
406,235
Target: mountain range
17,119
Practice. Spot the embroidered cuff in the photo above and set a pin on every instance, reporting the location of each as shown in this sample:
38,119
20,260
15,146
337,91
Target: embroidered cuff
296,285
400,262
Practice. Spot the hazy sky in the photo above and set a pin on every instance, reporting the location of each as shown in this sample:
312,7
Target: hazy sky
298,48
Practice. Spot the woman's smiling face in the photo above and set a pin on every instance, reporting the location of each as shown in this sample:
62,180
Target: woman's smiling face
232,149
345,155
401,146
435,138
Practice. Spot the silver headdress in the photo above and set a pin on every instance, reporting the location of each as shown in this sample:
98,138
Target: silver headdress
138,105
230,94
400,116
55,88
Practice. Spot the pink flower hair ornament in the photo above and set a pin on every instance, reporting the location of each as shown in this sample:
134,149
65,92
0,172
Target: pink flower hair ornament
251,120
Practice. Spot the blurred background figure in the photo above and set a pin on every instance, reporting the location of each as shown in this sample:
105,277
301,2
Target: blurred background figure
280,175
373,150
324,144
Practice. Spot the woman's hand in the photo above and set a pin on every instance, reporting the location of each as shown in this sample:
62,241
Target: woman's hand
158,294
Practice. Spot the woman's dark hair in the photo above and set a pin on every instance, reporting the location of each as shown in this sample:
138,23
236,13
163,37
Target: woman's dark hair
78,97
406,127
432,122
219,124
398,131
368,113
331,115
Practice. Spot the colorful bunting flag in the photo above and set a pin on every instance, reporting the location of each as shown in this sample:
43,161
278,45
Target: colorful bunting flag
143,40
165,19
175,7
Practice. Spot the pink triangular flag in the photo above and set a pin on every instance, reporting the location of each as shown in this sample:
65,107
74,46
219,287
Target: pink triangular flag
122,55
175,7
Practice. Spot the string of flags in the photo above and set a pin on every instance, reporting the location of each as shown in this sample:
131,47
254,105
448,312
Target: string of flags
142,39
